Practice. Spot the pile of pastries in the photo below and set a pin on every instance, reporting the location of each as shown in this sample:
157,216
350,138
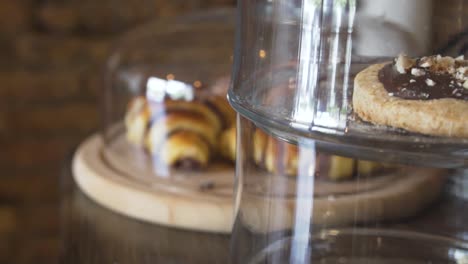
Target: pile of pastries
181,134
192,134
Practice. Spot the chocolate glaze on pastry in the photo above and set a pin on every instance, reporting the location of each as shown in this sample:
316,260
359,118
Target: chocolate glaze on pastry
221,107
195,107
169,129
426,109
421,83
185,150
179,121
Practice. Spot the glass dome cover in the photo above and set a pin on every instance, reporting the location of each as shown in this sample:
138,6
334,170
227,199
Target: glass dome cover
165,107
352,143
297,63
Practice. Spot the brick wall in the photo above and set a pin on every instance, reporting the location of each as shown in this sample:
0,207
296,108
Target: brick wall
51,52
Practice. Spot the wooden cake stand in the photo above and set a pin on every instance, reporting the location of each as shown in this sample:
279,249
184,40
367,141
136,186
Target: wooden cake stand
203,201
196,201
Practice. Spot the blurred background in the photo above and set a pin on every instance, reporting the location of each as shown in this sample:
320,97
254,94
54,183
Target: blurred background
51,60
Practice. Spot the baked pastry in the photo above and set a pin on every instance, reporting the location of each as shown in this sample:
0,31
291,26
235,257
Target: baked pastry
196,107
270,154
221,106
182,131
136,120
185,150
427,95
180,134
279,157
260,140
227,146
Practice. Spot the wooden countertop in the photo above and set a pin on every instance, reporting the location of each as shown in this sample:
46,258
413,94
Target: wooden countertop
92,234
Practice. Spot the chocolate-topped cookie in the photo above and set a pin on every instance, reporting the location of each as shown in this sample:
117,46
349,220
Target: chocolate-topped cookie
427,95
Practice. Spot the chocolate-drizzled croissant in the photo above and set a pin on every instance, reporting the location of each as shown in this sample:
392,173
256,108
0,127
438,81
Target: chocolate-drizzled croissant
179,133
197,107
221,106
185,135
185,149
165,126
280,157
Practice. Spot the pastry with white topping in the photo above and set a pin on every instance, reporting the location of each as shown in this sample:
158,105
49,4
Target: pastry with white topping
426,95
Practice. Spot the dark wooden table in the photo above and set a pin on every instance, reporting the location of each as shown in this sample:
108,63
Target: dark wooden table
92,234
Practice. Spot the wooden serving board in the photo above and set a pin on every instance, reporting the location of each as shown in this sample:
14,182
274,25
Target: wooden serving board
393,196
123,178
195,201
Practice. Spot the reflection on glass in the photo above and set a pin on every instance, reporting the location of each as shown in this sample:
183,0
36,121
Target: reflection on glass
157,89
346,154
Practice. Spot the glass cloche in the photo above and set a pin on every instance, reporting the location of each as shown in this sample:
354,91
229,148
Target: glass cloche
353,138
165,103
169,129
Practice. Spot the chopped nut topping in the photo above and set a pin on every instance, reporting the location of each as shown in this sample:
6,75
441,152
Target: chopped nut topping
430,82
465,85
404,63
446,61
417,72
426,64
430,77
444,64
438,64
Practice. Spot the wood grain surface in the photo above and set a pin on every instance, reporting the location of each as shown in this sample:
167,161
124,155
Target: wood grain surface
178,200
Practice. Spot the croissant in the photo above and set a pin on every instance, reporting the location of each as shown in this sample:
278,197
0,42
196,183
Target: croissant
280,157
275,156
221,106
201,128
185,150
181,134
162,128
227,146
198,107
136,120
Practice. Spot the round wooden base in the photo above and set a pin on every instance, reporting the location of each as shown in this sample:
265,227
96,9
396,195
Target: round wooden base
187,207
203,201
398,195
